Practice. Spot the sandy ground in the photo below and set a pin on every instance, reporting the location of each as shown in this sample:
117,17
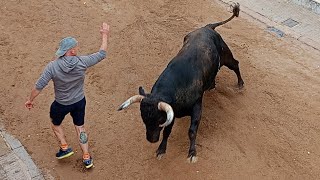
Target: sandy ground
269,130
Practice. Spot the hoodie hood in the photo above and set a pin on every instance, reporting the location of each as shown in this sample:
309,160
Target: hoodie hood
67,63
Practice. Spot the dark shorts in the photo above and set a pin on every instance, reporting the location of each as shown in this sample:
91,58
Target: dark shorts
76,110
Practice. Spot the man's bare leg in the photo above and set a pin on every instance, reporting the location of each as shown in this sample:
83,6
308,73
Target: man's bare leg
58,131
83,138
83,141
65,151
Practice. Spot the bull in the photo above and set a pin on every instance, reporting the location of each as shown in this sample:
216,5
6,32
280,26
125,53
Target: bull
179,90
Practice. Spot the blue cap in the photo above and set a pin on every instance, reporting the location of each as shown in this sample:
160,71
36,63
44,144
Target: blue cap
65,45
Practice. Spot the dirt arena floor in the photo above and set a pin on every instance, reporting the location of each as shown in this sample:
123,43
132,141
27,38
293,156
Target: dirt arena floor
269,130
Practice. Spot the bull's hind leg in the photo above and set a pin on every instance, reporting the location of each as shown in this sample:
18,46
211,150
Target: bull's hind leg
231,63
163,145
234,65
228,60
195,120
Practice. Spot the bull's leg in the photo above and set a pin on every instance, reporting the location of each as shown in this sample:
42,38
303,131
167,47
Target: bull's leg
234,65
228,60
163,145
195,120
213,83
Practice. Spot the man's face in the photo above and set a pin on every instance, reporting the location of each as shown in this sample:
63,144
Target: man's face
74,50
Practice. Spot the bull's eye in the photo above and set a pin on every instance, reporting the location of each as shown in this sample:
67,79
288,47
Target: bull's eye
162,120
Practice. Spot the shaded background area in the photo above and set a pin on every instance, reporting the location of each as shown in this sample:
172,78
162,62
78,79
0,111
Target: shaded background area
268,130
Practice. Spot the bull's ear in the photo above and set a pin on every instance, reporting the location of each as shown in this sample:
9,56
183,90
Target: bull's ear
141,91
186,38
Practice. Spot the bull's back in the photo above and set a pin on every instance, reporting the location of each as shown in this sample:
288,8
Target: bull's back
191,71
204,46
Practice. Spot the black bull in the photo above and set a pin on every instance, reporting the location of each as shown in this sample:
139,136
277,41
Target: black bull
179,90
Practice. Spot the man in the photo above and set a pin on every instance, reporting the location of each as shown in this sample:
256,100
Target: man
67,73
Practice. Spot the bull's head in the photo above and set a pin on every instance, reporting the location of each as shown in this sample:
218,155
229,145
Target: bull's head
155,114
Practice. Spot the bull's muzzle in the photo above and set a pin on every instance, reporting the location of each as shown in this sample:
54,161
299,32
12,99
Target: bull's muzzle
153,137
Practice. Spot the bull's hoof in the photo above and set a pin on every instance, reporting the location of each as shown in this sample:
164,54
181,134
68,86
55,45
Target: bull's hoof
160,153
192,159
240,85
159,156
212,87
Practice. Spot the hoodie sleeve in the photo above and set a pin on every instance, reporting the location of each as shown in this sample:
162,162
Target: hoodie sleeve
45,77
94,58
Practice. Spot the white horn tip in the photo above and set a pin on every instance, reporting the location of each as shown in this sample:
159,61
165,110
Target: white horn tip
124,105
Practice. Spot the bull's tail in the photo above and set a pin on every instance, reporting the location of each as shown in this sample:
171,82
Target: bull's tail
235,10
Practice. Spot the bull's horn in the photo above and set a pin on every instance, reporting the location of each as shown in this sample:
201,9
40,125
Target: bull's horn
162,106
133,99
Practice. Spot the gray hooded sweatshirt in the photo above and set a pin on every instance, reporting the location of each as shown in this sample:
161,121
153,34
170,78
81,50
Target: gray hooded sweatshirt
67,74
